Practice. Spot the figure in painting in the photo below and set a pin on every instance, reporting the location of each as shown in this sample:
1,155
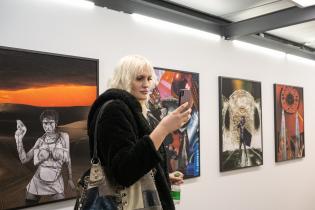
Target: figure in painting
50,152
242,132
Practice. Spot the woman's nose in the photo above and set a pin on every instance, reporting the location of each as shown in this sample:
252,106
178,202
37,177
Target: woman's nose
145,83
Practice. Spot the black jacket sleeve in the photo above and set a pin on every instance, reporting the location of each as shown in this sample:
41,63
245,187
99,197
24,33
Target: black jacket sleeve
127,156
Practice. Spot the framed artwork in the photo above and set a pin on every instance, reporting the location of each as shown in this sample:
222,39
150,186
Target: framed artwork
240,119
289,122
182,146
44,104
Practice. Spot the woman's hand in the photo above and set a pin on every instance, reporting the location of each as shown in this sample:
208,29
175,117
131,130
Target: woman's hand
21,130
176,178
170,123
176,119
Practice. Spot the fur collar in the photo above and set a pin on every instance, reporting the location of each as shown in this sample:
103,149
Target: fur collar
132,103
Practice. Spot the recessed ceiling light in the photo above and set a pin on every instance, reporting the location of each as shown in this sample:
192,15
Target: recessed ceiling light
304,3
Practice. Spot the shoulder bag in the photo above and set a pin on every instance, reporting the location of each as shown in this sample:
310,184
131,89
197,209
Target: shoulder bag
94,192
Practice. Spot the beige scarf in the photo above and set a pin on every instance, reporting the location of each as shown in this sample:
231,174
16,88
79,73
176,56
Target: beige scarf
142,195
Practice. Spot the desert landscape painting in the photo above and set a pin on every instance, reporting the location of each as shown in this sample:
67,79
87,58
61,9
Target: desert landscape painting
30,84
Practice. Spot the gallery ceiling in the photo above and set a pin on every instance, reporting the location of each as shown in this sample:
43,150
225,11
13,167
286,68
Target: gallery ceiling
277,24
240,10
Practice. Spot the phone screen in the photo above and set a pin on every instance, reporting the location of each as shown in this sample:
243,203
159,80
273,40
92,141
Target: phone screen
185,96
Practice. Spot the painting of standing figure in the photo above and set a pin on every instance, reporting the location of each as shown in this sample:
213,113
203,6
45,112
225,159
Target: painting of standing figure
240,120
182,146
289,122
44,104
49,153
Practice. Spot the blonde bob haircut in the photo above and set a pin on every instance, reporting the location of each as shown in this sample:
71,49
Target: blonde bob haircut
128,68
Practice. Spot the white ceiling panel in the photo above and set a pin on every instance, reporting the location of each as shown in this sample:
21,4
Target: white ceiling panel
303,33
262,9
233,9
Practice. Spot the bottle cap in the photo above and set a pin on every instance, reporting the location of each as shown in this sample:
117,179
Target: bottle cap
177,174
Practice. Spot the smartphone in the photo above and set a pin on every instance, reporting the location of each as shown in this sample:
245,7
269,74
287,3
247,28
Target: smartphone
185,96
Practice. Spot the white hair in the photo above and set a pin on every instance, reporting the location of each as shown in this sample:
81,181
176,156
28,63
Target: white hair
128,68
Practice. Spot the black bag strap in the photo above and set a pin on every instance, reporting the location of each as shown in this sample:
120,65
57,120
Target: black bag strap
99,115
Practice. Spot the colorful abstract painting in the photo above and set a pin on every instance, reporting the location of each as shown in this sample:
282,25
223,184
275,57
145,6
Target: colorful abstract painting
183,145
289,122
240,119
44,104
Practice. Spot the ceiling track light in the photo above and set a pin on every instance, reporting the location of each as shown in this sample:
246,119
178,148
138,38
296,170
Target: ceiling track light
309,43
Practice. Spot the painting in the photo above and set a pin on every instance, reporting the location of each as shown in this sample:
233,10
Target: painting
183,145
44,104
240,120
289,122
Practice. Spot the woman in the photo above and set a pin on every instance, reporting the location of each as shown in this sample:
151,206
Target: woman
49,153
128,147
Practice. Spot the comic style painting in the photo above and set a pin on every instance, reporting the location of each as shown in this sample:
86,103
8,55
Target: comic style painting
240,119
44,104
183,145
289,122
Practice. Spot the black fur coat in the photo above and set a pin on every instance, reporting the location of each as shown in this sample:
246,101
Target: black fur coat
124,146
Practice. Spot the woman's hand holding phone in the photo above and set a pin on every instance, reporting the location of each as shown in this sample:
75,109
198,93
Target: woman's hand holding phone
185,96
173,121
177,118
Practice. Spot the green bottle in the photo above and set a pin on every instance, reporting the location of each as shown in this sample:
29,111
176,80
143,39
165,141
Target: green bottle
176,192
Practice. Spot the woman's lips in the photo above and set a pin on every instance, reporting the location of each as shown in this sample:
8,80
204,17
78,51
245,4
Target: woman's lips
144,92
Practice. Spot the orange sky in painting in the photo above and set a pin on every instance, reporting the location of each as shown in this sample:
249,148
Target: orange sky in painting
53,96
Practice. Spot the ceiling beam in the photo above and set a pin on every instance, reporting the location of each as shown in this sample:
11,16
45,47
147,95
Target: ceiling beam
168,11
272,42
283,18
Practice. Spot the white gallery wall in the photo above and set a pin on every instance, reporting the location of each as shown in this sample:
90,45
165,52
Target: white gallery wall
108,35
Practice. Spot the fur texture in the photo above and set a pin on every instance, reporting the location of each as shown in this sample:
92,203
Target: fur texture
124,146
